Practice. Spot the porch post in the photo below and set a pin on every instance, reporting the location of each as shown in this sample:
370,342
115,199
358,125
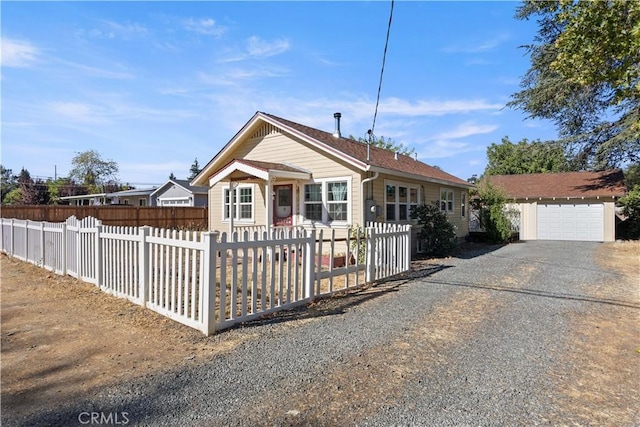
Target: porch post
269,203
231,208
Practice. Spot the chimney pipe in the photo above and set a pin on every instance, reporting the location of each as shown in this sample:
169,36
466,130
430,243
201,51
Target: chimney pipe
337,131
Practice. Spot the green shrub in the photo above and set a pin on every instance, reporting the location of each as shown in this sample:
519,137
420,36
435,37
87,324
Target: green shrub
438,235
493,218
630,228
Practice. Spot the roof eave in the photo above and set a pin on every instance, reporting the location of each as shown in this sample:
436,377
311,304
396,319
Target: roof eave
419,177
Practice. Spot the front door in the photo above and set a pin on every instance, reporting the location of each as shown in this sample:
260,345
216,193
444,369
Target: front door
283,205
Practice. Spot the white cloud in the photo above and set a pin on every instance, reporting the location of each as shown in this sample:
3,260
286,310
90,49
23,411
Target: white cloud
99,72
112,30
206,26
261,48
478,47
464,130
256,48
18,53
434,108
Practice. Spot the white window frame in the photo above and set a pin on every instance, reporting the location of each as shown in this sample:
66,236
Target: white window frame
463,204
397,203
142,202
237,204
325,201
448,200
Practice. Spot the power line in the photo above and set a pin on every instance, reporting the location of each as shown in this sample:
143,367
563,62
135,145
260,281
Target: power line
384,58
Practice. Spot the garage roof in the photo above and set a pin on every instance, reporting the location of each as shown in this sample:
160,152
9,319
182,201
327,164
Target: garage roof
609,183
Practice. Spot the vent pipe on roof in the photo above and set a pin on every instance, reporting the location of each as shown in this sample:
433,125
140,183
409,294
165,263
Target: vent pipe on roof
337,131
396,155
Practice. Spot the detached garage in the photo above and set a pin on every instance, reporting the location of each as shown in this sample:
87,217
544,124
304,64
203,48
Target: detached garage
565,206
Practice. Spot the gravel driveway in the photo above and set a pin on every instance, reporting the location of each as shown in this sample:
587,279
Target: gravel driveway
494,338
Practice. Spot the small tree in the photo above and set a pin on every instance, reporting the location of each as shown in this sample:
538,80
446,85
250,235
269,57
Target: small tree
194,169
437,233
493,218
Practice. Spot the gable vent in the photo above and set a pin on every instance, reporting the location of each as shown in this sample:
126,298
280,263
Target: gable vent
266,130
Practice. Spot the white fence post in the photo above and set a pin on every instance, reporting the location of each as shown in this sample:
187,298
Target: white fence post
63,256
143,264
208,284
407,248
98,256
42,243
310,267
371,250
26,240
12,237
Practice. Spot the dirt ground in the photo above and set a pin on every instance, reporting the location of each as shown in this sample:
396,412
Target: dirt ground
64,339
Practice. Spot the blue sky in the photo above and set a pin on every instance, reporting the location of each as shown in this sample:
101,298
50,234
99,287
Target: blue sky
154,85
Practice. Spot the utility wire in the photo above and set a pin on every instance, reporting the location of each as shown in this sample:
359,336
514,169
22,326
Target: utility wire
384,57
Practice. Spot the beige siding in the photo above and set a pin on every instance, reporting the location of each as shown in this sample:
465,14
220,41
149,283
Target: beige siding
282,149
609,221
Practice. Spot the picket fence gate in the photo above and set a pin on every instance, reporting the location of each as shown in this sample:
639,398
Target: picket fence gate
209,280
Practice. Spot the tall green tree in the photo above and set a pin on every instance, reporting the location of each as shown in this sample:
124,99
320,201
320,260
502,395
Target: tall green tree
632,176
585,76
508,158
194,169
91,170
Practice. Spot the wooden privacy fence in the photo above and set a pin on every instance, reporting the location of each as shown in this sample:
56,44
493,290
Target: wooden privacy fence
185,217
207,280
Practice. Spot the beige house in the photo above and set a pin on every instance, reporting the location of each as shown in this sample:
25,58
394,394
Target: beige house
286,174
565,206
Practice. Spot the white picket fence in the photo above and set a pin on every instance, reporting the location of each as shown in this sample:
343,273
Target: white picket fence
207,280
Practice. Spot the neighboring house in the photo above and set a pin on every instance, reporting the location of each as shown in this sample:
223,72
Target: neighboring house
178,192
565,206
136,197
286,174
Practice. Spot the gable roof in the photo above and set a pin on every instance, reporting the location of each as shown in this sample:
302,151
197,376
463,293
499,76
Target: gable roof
263,170
185,184
609,183
348,150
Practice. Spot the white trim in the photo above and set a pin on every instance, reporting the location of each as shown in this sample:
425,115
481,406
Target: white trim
398,184
325,213
237,204
420,178
449,192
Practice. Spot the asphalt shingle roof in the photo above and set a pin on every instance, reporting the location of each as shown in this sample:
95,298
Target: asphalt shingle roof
609,183
378,157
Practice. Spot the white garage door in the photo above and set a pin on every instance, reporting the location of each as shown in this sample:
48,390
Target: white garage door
571,222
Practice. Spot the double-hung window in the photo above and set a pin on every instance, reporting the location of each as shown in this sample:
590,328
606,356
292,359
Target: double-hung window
446,200
399,200
327,201
313,202
242,203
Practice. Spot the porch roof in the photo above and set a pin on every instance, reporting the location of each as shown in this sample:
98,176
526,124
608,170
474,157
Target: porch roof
262,170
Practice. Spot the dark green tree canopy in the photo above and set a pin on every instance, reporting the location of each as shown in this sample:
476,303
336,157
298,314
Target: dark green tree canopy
585,76
194,169
508,158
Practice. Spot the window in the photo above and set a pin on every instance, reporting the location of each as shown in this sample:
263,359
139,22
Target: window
313,202
390,200
327,201
399,200
446,200
142,202
337,200
242,203
463,204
